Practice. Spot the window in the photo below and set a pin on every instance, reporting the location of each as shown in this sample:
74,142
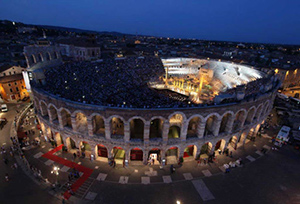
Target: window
4,74
22,87
9,84
9,73
15,83
17,89
14,72
11,90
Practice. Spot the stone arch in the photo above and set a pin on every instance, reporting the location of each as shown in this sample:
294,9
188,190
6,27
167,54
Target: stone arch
172,154
250,115
118,153
48,56
85,147
156,128
193,126
205,149
44,110
71,144
233,141
58,138
53,113
266,108
40,57
66,117
225,122
98,124
136,154
32,59
177,118
101,151
190,151
137,128
56,56
174,132
81,122
220,145
211,121
239,120
116,127
258,112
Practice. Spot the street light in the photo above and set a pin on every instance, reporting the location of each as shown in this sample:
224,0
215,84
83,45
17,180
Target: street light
177,202
55,171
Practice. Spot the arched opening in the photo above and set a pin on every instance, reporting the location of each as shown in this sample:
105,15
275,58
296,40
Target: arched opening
224,122
117,128
242,138
210,125
154,154
85,149
156,128
44,110
220,145
66,118
58,139
98,125
55,55
102,151
266,108
171,155
40,56
232,142
71,145
176,119
238,121
81,123
205,150
258,113
136,129
174,132
193,127
53,114
32,59
48,56
190,151
118,154
136,154
250,116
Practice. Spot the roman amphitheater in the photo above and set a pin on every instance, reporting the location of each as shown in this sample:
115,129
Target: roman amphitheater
105,117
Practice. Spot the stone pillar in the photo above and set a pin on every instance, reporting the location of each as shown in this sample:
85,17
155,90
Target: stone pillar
73,120
212,148
107,129
90,127
145,156
126,131
256,129
50,116
229,125
201,129
217,125
183,131
162,154
60,121
180,152
146,131
166,127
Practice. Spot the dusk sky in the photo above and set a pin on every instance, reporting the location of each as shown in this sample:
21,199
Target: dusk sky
269,21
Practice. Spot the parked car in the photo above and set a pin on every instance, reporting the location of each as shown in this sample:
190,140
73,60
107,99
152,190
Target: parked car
4,108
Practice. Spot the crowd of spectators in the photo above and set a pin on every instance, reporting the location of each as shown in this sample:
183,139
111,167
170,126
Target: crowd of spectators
112,82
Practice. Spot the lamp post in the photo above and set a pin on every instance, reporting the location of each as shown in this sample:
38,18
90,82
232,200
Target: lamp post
55,171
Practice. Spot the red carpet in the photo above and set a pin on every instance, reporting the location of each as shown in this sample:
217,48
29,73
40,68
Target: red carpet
86,171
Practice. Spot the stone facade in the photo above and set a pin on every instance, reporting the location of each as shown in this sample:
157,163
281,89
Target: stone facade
150,129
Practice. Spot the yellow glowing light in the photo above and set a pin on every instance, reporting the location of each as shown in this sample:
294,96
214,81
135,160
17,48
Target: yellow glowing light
276,71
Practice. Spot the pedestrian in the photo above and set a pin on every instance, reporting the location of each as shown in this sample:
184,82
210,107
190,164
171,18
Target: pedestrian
153,161
199,162
171,168
230,154
16,166
5,161
74,155
205,161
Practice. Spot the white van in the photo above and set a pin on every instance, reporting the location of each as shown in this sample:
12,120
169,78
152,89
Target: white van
4,108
